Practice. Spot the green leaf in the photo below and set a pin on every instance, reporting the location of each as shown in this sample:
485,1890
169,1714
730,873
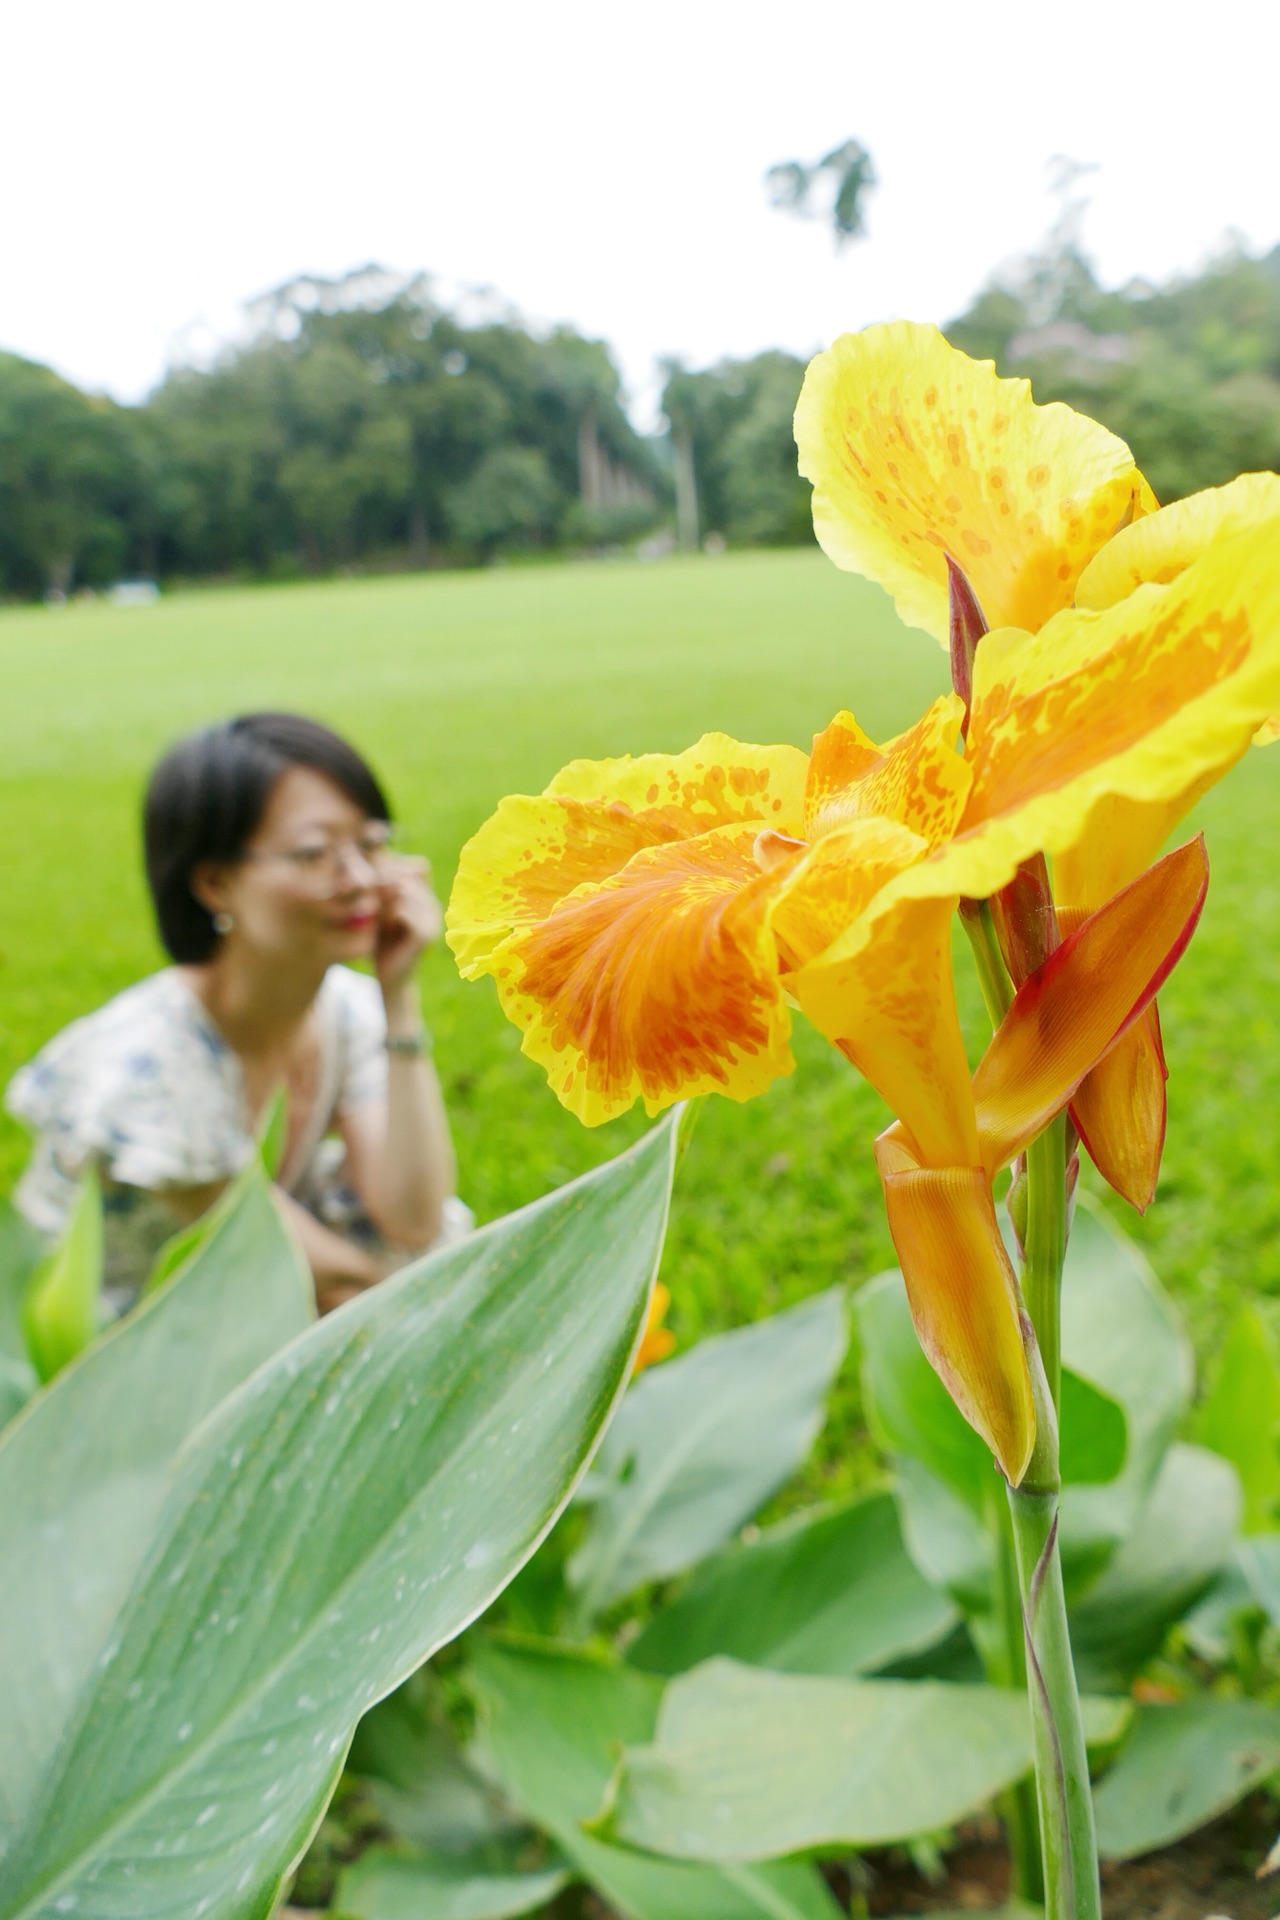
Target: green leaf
553,1720
60,1311
1241,1416
418,1778
394,1886
1095,1435
273,1131
945,1538
1121,1334
1182,1766
833,1592
747,1765
350,1508
21,1248
701,1442
84,1472
1258,1559
1181,1540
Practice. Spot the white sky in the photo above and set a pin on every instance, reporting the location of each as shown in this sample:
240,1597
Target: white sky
165,160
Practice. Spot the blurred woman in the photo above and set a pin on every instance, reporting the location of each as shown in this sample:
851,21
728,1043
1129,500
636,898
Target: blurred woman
269,861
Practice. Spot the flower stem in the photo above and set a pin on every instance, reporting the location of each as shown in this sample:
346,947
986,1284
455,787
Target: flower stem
1046,1246
1006,1666
979,923
1062,1767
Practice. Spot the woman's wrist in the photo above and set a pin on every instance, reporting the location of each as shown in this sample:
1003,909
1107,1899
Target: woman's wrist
402,1004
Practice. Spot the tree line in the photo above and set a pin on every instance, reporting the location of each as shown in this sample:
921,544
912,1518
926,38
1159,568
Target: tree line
364,423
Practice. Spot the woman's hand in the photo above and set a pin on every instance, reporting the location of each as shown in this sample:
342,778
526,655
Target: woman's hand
409,920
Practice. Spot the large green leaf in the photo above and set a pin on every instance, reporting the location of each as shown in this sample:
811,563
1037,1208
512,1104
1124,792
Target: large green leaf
553,1722
85,1469
61,1311
21,1248
395,1886
747,1765
419,1779
352,1506
833,1592
1181,1766
1120,1333
702,1442
1181,1540
1241,1416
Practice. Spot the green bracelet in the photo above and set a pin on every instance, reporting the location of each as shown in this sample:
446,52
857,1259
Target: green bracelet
409,1046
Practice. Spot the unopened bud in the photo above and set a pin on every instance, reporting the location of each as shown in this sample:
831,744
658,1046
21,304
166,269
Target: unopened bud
1026,920
967,625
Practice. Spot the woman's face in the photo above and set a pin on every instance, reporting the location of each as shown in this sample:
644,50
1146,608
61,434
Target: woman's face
307,888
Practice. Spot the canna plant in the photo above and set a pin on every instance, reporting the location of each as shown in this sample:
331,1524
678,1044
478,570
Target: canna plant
650,923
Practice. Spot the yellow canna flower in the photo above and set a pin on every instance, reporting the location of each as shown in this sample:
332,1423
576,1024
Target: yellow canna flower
924,462
657,1342
916,451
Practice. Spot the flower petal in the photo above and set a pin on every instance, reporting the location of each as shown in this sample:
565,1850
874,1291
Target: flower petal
657,983
1087,993
594,816
916,451
1149,702
877,982
919,779
1120,1111
1164,544
657,1342
963,1295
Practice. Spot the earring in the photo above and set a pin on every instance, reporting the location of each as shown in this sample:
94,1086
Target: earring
222,923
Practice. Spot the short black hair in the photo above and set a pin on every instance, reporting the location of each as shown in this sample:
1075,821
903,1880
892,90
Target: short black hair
207,797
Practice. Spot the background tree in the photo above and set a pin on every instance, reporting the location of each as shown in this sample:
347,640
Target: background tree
833,189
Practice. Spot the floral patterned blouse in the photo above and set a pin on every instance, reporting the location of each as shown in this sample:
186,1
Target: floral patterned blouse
148,1089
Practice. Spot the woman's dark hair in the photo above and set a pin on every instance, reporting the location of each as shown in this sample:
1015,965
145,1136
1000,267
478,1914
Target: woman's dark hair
207,796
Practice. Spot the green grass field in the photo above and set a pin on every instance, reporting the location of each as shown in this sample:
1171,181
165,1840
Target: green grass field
464,687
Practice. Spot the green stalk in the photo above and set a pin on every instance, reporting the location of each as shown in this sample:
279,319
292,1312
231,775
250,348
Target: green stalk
1062,1768
979,923
1005,1661
1006,1666
1046,1246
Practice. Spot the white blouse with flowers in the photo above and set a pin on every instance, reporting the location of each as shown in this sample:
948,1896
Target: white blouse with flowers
148,1090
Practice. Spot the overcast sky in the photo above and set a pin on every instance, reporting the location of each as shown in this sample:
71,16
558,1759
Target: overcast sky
165,160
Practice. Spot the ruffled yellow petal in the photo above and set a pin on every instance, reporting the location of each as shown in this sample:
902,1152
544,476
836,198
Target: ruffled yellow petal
1069,1013
1162,545
655,984
963,1295
919,780
1149,702
595,815
916,451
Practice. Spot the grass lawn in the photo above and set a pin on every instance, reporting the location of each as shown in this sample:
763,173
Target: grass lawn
464,687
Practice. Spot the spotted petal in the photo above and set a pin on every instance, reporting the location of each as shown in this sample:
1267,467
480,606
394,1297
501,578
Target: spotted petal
1147,703
657,983
919,780
916,451
1162,545
594,816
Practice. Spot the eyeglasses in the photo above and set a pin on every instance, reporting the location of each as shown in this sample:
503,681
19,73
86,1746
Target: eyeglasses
319,865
